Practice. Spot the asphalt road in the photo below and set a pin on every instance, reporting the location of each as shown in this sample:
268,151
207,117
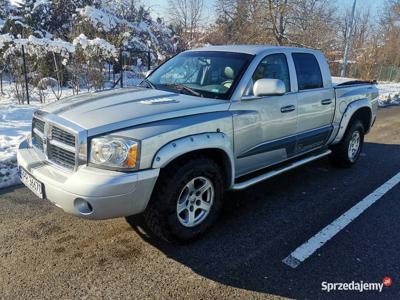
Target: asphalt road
47,254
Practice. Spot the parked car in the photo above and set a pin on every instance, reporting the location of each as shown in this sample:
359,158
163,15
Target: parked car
206,121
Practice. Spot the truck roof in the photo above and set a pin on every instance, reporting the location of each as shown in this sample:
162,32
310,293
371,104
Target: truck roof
249,49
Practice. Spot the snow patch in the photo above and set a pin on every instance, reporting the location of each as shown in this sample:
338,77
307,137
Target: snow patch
389,94
2,22
15,126
39,3
99,18
99,44
5,38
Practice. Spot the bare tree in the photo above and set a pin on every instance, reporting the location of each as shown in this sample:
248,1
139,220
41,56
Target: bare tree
187,17
390,36
304,23
316,24
278,15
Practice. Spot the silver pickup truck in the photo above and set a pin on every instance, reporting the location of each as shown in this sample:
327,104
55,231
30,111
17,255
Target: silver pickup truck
206,121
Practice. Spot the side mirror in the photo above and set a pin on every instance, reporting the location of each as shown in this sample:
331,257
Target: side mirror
269,87
148,73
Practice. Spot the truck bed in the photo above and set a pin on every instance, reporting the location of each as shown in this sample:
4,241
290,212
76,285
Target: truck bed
345,82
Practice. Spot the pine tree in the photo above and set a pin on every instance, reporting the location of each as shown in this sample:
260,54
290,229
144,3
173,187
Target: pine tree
4,9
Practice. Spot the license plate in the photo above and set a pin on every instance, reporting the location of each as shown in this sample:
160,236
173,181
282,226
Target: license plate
31,182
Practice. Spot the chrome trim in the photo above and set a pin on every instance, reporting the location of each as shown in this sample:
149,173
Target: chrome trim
62,123
80,134
62,146
81,144
45,140
38,132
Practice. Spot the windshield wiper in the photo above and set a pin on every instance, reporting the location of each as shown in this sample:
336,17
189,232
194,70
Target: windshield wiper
149,83
182,87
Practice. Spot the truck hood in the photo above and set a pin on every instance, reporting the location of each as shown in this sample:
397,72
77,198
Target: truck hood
116,109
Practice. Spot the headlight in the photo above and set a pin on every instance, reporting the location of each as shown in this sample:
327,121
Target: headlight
114,152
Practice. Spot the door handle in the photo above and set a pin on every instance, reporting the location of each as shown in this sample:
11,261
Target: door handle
288,108
326,101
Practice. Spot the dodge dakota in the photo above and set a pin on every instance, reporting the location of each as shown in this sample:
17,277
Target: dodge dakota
206,121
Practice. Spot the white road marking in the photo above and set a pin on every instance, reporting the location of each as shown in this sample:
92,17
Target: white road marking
313,244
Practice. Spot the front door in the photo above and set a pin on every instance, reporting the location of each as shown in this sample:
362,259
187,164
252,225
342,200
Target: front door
265,128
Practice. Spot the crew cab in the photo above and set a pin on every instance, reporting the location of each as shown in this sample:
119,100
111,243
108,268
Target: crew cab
206,121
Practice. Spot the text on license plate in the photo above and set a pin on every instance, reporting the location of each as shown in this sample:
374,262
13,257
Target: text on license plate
33,184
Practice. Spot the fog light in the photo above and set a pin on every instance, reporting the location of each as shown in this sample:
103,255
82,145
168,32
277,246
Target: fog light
83,206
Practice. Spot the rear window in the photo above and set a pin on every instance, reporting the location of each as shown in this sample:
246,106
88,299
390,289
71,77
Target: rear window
307,71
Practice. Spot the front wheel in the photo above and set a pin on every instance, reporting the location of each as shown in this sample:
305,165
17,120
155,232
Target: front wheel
346,153
186,200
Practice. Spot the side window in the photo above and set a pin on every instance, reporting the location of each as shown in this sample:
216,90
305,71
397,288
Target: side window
307,71
273,66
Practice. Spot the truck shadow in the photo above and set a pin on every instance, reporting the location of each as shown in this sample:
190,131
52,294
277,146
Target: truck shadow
260,226
10,189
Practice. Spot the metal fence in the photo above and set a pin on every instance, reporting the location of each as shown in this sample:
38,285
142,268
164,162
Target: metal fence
129,57
375,72
114,71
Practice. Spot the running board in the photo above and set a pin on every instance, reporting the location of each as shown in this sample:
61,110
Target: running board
269,174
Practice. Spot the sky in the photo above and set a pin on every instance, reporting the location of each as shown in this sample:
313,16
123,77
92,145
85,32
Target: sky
159,7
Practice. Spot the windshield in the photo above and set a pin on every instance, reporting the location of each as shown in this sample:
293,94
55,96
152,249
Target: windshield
211,74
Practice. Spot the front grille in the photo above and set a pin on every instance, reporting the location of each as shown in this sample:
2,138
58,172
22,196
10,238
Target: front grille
37,141
38,124
61,157
58,144
62,136
37,133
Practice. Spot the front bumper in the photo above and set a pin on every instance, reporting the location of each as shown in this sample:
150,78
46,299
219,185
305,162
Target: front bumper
110,194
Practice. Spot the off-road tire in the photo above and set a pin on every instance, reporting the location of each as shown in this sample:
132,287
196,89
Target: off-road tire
160,215
340,152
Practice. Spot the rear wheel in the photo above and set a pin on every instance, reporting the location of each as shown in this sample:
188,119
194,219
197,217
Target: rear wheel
346,153
186,200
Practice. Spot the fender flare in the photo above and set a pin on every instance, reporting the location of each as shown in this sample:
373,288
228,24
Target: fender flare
348,114
203,141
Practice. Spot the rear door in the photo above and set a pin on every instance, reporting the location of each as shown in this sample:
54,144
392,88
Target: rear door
315,101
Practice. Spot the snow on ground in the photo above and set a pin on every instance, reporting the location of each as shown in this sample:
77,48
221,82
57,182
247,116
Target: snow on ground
389,94
15,125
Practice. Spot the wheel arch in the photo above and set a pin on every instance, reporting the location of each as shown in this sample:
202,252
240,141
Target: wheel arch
215,145
360,109
364,114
